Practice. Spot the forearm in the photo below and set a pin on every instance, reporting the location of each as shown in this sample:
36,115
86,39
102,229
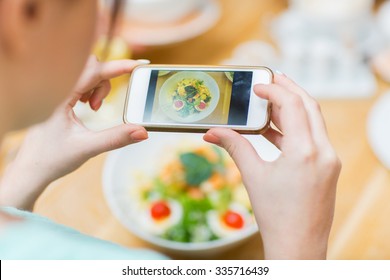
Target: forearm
20,187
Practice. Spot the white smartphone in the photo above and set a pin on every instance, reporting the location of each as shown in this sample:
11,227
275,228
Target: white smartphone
181,98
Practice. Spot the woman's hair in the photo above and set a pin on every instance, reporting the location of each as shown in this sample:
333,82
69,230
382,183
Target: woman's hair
115,12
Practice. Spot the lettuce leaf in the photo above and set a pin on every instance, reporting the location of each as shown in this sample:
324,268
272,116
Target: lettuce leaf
197,168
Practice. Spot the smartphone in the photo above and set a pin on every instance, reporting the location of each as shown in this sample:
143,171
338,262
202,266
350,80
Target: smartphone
181,98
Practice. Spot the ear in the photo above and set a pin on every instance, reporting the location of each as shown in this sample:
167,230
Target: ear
17,17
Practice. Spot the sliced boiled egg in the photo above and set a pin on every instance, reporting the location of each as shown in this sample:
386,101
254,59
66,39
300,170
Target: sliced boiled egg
236,218
202,105
160,215
178,105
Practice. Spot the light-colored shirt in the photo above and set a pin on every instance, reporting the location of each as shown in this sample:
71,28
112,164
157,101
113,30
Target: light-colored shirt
38,238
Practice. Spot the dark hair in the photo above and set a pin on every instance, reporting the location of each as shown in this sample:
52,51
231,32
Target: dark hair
115,12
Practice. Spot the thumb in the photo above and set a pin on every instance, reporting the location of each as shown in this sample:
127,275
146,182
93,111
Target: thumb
117,137
238,147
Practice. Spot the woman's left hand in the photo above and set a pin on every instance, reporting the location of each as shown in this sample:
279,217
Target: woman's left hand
62,143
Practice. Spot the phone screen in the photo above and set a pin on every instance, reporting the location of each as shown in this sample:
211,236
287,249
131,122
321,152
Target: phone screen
199,97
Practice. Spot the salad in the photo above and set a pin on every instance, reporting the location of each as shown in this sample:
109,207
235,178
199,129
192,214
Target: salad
230,76
191,96
197,196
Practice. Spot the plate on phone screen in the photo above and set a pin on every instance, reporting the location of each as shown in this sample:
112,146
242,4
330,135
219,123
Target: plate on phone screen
189,96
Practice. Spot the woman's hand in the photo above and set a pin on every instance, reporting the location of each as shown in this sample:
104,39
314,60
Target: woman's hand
293,197
62,144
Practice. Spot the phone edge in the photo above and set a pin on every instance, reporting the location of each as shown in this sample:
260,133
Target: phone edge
200,130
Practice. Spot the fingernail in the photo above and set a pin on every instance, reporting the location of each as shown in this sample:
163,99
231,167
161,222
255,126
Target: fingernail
280,73
97,106
139,135
143,61
209,137
258,87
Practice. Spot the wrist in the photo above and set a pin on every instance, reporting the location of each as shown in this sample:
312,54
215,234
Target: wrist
293,247
21,186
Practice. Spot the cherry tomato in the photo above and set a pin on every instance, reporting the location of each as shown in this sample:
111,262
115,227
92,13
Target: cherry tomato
233,220
160,210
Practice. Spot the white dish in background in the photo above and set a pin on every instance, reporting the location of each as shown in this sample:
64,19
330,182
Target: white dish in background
117,177
333,10
160,11
193,25
254,53
378,129
170,86
383,19
315,76
312,53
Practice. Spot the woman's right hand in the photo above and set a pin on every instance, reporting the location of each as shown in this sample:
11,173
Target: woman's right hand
293,197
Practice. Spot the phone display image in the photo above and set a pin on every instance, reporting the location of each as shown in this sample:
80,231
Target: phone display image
188,96
198,97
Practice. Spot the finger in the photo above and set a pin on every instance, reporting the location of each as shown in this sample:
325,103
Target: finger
238,147
116,137
275,113
116,68
293,118
313,109
274,136
100,92
85,97
95,72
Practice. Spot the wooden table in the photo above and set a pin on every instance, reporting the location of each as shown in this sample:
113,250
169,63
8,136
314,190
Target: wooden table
361,227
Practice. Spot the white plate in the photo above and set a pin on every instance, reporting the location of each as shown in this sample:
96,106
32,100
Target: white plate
170,86
378,128
122,166
164,34
383,19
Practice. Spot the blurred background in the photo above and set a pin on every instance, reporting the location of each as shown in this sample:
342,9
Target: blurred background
338,50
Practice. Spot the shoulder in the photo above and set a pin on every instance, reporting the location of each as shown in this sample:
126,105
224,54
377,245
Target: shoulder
58,241
7,219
